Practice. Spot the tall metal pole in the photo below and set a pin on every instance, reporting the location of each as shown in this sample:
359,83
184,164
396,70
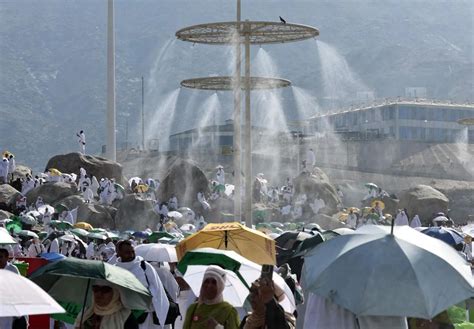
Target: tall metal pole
111,148
143,114
248,132
237,124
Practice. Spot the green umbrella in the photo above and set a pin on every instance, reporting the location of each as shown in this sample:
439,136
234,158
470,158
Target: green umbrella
98,230
27,234
28,219
15,226
79,232
97,235
112,235
61,224
42,234
155,236
65,279
60,208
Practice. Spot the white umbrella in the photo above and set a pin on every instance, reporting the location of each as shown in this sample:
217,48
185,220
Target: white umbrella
175,214
390,275
68,237
34,213
20,296
234,293
157,252
43,208
137,180
188,228
5,237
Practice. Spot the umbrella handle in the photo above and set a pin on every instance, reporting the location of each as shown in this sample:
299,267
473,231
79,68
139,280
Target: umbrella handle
393,223
84,303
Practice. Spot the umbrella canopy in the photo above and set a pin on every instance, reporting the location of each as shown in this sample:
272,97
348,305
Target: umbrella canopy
34,213
141,234
20,296
65,278
448,235
235,292
441,219
157,235
246,270
14,225
79,232
5,237
96,235
61,224
45,207
390,275
380,203
249,243
59,208
54,172
188,227
371,185
141,188
288,240
28,219
175,214
28,234
157,252
84,226
98,230
137,181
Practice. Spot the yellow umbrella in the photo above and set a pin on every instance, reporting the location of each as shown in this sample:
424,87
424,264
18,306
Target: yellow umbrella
84,226
54,172
381,204
251,244
141,188
7,154
354,209
366,211
342,216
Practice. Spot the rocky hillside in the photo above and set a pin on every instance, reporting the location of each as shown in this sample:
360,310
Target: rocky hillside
53,61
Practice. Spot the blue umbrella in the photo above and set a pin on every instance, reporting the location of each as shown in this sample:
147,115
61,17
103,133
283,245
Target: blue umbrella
51,256
445,234
141,235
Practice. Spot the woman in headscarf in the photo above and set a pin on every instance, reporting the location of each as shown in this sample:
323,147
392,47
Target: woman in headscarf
107,310
211,311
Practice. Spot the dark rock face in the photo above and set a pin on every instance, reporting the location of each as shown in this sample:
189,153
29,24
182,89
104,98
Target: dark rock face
51,192
95,166
136,214
184,179
317,183
424,201
8,196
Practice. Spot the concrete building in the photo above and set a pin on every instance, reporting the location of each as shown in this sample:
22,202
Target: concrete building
407,121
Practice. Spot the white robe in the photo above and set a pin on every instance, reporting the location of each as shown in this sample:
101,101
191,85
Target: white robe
220,176
168,281
415,222
401,219
321,313
4,169
310,158
11,165
160,301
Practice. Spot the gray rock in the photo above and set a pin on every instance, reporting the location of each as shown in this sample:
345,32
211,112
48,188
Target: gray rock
184,179
314,183
51,192
327,222
95,214
95,166
425,201
8,196
136,214
21,171
5,214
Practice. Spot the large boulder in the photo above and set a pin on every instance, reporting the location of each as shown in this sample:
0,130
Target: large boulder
51,192
184,179
95,166
5,214
95,214
317,183
327,222
135,213
461,200
8,196
425,201
21,171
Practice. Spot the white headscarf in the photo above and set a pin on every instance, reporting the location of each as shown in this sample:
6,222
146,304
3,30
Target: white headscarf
113,314
219,275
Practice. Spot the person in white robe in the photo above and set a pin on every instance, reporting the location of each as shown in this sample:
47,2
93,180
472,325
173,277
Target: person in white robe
401,218
87,194
27,185
415,222
202,200
4,170
81,140
220,175
310,158
11,165
35,248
